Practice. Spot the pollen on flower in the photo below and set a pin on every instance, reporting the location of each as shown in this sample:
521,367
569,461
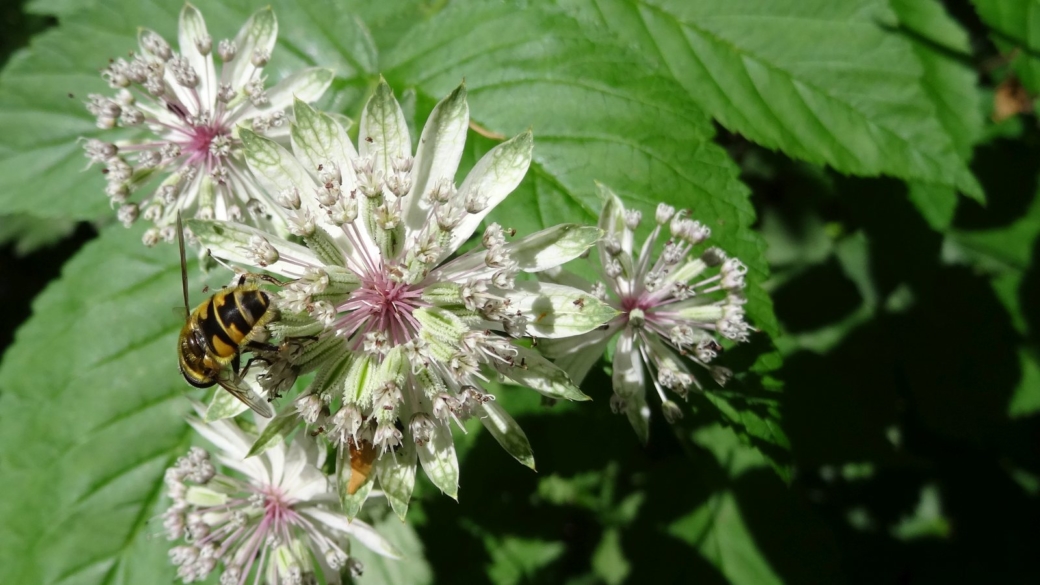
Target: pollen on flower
186,111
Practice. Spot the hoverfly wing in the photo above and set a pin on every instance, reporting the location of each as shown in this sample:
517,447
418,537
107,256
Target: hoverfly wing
248,397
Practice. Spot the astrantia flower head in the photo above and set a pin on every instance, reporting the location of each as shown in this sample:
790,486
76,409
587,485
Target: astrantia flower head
673,310
188,113
406,333
275,520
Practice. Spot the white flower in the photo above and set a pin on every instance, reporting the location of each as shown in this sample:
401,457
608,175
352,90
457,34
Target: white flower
406,333
275,518
670,307
188,114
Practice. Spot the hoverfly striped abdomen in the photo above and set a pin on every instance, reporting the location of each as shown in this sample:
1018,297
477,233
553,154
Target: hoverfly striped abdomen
231,318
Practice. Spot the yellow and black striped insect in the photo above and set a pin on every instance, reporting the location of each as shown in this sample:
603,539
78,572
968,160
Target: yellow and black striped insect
218,330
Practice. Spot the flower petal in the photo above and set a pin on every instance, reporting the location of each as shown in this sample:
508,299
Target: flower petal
282,426
553,246
192,31
383,134
539,374
225,436
494,177
507,432
317,138
630,383
629,377
260,32
305,85
638,414
576,355
231,241
320,139
554,310
537,252
365,534
438,154
612,222
277,169
439,461
396,475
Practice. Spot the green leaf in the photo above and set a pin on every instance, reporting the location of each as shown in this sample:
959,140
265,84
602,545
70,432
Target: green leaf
1006,248
1025,400
608,562
517,560
42,88
755,420
949,82
93,412
1013,24
30,233
613,118
729,451
927,520
937,203
756,66
717,530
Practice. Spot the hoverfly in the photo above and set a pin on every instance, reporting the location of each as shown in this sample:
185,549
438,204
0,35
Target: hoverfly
217,331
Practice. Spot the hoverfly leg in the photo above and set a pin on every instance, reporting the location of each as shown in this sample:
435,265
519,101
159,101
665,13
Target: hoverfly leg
270,279
249,363
236,365
255,345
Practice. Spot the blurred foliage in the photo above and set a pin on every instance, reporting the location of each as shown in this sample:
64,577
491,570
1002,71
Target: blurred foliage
906,434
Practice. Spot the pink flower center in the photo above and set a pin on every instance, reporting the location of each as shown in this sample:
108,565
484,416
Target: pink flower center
382,305
199,147
277,507
641,302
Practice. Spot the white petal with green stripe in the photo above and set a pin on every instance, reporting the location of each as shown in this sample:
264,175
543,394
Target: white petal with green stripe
396,473
554,310
233,241
507,432
438,154
534,371
438,460
494,177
